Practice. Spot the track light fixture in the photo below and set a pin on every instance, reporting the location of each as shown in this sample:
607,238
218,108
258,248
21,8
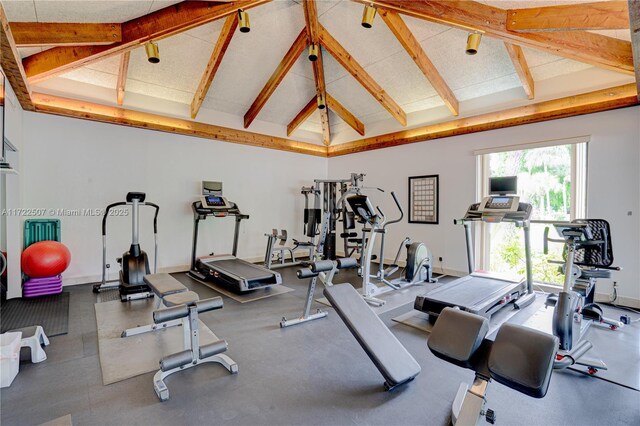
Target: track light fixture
368,15
321,104
153,53
313,52
243,21
473,42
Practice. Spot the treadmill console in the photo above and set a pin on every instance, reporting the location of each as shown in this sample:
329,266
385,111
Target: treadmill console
215,202
499,204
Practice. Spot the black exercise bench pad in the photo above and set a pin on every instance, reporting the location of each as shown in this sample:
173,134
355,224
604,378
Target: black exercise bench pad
522,358
385,350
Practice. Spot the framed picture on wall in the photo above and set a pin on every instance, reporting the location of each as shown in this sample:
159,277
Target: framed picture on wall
423,199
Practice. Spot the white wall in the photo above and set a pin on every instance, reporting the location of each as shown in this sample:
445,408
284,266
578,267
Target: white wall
10,185
613,183
75,164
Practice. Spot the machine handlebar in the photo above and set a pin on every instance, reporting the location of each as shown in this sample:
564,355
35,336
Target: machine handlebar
124,203
395,199
106,214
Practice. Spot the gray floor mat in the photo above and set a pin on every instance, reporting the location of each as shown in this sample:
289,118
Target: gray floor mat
50,312
123,358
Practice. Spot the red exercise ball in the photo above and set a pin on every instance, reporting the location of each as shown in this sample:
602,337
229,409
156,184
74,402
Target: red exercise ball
45,259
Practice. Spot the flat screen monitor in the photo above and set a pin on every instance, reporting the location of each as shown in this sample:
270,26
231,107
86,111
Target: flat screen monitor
503,185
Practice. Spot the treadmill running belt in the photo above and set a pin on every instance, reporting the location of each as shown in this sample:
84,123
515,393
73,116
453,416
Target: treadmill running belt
470,290
241,268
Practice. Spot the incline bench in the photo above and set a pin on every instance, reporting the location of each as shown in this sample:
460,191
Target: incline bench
392,359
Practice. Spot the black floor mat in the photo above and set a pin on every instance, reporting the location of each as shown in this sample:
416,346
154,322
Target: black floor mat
50,312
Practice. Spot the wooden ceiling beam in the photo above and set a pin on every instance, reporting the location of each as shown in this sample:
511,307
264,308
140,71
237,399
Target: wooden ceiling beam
417,53
357,71
595,49
603,15
634,26
125,117
163,23
312,26
344,113
276,78
123,70
520,64
11,64
586,103
302,116
28,34
226,34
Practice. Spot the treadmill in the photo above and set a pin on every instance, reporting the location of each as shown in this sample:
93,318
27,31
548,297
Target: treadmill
482,293
227,270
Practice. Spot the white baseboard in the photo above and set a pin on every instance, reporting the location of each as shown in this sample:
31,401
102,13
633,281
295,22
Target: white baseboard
90,279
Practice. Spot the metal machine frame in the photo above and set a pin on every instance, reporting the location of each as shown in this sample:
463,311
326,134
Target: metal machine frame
480,293
135,203
219,268
417,270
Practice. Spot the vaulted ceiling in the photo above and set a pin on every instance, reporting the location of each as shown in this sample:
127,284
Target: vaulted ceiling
404,66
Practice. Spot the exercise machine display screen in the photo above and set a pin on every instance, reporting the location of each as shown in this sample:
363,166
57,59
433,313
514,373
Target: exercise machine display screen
214,201
499,202
503,185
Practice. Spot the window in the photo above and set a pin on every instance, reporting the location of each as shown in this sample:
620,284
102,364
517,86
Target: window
552,177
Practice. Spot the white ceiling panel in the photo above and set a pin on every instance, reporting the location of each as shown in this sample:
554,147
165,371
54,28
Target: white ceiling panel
110,65
90,11
161,4
312,124
287,101
366,46
156,91
332,69
420,28
487,87
423,104
208,32
303,67
413,85
182,62
447,52
252,57
98,78
354,97
557,68
224,105
19,11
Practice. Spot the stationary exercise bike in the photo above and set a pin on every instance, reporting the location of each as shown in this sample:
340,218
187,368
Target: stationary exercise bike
134,263
588,256
418,267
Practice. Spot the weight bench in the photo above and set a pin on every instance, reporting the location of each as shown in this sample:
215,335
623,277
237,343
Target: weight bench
169,292
193,354
520,358
393,361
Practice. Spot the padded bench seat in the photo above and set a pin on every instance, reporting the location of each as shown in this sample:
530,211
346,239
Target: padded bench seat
163,284
387,353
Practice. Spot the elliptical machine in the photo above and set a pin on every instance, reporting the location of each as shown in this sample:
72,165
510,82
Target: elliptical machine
588,256
134,264
418,267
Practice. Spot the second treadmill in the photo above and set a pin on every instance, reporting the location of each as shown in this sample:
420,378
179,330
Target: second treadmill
481,293
226,270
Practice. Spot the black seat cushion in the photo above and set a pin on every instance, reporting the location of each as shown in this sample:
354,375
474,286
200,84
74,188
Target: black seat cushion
457,335
522,359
